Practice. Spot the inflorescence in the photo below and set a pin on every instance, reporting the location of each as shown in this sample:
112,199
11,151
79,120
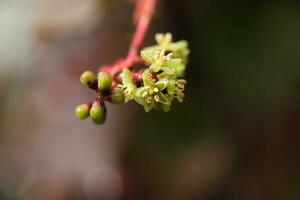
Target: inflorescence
154,84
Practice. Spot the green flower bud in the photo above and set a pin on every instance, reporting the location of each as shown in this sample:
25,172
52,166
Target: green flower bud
82,111
104,80
87,77
117,96
98,113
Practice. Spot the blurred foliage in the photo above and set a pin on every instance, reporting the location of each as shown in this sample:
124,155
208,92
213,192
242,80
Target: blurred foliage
243,73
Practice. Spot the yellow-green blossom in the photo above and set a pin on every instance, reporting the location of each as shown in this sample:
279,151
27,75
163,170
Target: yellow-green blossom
159,61
179,49
165,41
153,94
127,85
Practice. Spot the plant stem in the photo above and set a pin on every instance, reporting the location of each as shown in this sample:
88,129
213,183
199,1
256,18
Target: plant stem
142,28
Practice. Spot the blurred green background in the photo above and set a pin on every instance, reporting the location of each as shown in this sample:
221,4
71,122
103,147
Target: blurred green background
235,137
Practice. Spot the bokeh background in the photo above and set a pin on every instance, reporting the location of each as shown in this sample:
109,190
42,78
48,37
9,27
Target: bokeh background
235,137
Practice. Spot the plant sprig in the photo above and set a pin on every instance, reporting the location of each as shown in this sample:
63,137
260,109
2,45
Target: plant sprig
155,86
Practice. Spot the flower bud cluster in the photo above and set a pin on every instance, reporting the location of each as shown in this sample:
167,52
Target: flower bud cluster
106,90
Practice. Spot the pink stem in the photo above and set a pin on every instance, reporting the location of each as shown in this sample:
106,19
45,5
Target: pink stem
137,40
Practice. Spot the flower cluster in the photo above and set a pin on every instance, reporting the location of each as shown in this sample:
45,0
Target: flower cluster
155,86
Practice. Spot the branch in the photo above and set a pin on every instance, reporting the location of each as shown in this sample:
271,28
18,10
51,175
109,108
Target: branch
145,8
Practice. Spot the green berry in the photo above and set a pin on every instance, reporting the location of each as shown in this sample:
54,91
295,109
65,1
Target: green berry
104,80
82,111
98,121
98,113
117,96
87,77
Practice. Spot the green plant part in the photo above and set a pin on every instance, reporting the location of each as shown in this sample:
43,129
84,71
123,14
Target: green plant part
155,82
179,49
166,63
82,111
151,77
152,94
176,89
128,85
117,96
165,41
104,80
98,113
87,78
